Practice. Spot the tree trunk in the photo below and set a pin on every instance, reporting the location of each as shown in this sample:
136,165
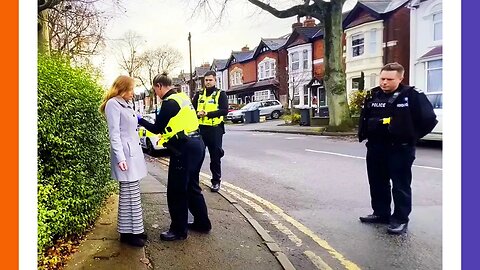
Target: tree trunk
338,110
43,33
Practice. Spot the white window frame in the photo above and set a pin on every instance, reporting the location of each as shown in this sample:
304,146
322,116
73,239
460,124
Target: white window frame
372,42
266,69
436,24
262,95
295,62
305,60
361,46
428,69
352,83
236,78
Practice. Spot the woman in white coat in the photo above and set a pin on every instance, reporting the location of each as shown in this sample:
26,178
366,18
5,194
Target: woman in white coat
127,161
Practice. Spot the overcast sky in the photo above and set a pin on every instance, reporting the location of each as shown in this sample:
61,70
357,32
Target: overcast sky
169,21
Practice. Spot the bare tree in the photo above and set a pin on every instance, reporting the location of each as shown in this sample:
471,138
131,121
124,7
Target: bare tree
73,27
330,15
129,54
155,61
77,29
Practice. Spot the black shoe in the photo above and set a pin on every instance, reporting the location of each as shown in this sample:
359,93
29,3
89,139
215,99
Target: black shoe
397,228
142,236
171,236
375,219
215,187
197,228
132,239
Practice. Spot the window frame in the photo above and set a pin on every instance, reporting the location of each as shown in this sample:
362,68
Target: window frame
360,46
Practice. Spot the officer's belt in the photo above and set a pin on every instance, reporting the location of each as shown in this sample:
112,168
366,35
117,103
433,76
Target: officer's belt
193,134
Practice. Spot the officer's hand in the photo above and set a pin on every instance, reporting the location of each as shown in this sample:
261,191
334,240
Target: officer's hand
123,165
201,113
139,116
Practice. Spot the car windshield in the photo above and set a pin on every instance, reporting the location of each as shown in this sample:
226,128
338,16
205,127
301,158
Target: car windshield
251,106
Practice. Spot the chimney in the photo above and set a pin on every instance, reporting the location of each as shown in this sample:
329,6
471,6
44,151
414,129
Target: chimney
206,65
245,48
309,22
297,24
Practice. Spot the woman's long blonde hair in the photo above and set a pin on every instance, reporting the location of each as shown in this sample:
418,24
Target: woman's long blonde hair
121,85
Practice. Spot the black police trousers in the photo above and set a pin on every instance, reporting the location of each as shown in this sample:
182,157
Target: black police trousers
385,162
183,189
212,137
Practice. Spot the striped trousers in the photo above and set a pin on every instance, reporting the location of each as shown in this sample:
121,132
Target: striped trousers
130,213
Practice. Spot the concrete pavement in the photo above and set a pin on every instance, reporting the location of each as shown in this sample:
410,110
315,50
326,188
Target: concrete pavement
236,241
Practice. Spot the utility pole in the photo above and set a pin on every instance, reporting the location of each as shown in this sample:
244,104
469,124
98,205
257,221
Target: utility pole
191,74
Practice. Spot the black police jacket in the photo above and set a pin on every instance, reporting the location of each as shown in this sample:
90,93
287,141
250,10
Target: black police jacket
411,115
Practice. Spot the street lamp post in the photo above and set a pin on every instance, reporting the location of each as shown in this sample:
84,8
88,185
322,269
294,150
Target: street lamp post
190,53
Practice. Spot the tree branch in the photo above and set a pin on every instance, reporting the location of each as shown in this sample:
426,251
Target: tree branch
299,10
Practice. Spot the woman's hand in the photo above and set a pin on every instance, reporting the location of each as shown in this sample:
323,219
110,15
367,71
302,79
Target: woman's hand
123,165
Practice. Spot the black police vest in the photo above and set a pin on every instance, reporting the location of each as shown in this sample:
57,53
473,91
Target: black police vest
389,118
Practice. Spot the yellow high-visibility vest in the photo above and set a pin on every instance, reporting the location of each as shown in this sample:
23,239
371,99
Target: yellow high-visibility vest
185,121
209,104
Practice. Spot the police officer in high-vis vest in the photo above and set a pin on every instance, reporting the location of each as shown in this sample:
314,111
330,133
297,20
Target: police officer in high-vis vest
211,105
178,124
393,118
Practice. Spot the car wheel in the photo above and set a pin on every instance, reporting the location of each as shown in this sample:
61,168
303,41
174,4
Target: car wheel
150,149
275,114
242,120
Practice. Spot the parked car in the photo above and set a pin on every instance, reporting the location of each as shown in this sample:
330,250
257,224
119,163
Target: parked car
232,107
269,108
437,101
148,140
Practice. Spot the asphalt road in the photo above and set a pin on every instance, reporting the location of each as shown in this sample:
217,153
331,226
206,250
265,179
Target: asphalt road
309,191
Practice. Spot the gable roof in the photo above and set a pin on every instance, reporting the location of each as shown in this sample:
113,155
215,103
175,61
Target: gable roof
376,8
383,6
307,33
240,56
200,71
220,64
272,44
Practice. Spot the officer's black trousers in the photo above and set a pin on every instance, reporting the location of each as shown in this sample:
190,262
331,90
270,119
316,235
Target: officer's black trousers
183,189
384,162
212,137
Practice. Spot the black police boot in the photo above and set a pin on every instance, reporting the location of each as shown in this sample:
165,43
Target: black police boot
171,236
199,228
132,239
215,187
375,219
397,228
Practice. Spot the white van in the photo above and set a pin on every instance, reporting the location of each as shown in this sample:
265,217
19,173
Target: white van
437,101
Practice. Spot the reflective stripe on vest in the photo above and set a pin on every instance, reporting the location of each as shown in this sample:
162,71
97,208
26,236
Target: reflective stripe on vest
184,121
209,104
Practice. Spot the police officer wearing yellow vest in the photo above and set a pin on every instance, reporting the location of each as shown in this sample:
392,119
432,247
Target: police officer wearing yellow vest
211,105
177,122
393,118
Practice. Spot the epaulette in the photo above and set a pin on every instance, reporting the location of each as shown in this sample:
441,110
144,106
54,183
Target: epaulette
417,89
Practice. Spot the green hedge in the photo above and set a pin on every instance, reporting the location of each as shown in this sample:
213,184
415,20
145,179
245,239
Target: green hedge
356,101
73,151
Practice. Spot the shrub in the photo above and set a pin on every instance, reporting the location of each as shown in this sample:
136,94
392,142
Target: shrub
73,151
356,99
291,118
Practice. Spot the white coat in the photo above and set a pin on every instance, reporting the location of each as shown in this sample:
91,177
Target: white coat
124,141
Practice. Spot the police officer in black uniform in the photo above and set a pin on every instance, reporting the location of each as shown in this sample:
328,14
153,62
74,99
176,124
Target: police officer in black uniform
211,105
393,118
177,122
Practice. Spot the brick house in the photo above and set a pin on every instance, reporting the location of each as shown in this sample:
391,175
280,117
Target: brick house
376,32
305,50
241,75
